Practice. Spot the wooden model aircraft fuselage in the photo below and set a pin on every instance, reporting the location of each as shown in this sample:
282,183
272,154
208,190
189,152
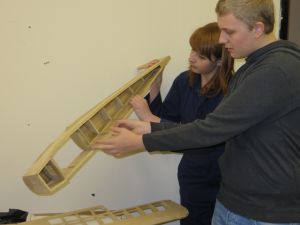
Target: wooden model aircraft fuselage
45,177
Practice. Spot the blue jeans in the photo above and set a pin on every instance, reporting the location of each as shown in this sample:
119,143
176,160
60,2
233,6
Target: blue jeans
222,216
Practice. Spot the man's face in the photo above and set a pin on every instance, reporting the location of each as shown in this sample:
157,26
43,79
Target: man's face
236,36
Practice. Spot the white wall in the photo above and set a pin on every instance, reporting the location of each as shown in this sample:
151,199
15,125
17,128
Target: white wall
58,59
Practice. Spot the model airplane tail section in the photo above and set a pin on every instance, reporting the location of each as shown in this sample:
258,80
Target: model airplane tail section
45,177
148,214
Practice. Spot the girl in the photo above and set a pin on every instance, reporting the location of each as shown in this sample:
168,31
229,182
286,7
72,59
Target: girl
194,93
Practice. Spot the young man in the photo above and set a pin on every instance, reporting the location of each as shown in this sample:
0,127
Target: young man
258,119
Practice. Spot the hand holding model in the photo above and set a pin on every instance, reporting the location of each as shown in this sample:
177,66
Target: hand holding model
142,110
126,138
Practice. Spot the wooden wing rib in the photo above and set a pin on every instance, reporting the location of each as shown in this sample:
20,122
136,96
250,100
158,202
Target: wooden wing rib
45,177
149,214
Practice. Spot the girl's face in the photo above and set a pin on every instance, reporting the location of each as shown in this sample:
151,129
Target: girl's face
201,64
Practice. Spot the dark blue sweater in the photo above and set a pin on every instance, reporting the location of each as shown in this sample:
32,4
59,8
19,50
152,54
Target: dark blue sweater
183,103
198,171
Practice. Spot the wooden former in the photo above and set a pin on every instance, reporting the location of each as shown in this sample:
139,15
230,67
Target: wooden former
45,177
149,214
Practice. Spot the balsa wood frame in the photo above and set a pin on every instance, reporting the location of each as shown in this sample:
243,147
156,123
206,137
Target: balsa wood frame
148,214
45,177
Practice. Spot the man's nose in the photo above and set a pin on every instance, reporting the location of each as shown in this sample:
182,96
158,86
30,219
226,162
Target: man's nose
223,38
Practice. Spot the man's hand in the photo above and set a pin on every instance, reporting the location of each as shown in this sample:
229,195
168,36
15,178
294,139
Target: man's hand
122,142
136,126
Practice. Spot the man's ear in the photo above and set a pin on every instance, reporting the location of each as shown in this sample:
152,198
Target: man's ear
259,29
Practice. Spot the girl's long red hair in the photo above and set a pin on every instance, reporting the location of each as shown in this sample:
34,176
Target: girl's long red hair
205,41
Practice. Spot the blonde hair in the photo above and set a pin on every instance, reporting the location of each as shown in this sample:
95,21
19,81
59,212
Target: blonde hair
249,11
205,41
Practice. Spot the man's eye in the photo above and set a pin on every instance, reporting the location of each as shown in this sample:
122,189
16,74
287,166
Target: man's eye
229,32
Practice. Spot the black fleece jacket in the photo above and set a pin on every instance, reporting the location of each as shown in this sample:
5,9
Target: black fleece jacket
259,119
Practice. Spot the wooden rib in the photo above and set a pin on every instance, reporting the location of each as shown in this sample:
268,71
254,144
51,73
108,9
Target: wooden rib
148,214
45,177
